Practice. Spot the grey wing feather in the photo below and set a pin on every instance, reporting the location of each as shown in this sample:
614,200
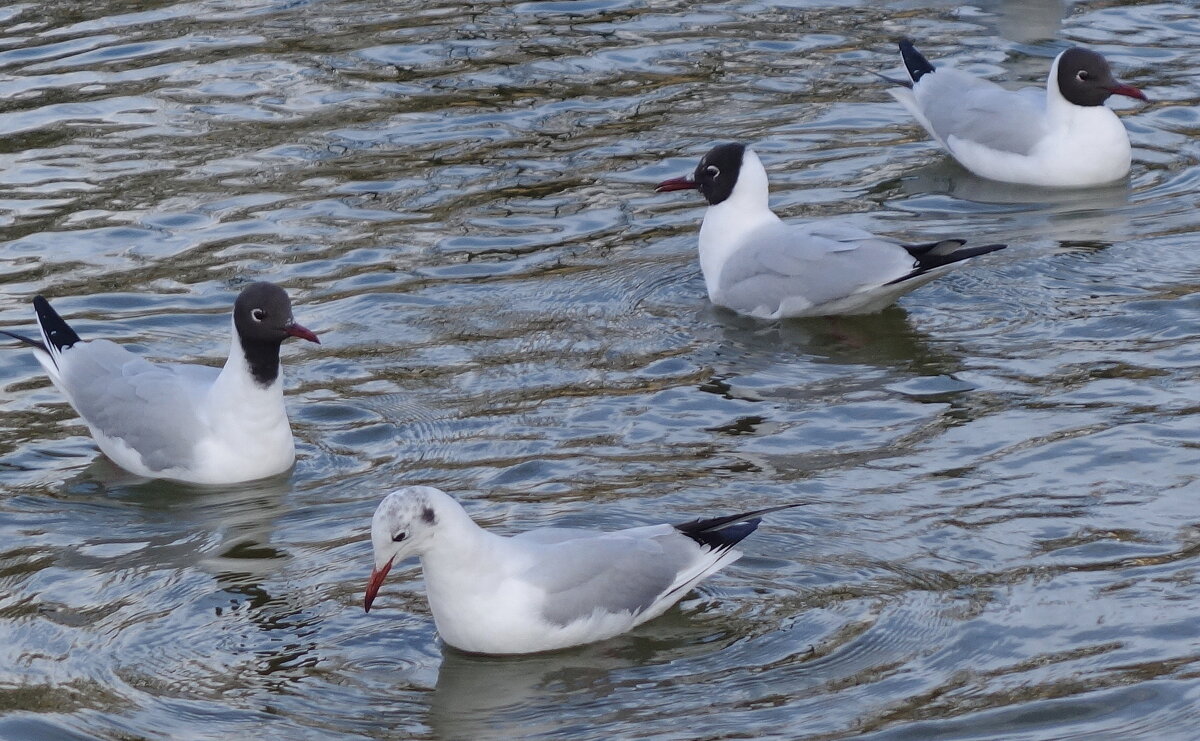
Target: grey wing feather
966,107
549,535
151,408
819,262
613,573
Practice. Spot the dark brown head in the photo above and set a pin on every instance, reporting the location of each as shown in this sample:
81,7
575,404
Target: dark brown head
715,176
1085,79
262,315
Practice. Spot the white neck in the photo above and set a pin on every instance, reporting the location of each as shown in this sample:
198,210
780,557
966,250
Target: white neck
457,537
237,399
751,189
1080,138
459,561
727,223
1059,110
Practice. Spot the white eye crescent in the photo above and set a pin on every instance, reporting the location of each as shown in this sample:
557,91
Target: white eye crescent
257,315
713,170
1082,75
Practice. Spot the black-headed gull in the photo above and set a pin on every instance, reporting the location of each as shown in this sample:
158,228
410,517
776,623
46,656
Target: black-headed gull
756,264
548,588
1063,136
192,423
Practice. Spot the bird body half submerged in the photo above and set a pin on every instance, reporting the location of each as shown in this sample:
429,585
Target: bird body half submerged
756,264
1062,136
190,423
544,589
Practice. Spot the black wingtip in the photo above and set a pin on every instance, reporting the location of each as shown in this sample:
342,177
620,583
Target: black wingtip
721,537
56,331
918,66
23,339
885,78
723,533
937,254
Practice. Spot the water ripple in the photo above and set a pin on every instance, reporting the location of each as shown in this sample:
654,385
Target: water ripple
1001,529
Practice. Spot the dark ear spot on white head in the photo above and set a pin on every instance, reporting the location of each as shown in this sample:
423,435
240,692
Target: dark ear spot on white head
428,516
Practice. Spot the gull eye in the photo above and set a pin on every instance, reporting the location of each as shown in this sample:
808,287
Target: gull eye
1082,75
713,170
257,315
399,537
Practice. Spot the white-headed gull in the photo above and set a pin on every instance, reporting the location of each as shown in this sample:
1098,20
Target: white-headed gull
1063,136
756,264
548,588
191,423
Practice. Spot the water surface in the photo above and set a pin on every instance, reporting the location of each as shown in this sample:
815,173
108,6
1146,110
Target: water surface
1004,534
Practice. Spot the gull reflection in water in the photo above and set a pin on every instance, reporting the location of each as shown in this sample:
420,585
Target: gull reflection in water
525,696
1019,212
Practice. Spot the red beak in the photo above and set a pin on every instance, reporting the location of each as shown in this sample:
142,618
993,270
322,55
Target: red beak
1127,90
374,583
296,330
667,186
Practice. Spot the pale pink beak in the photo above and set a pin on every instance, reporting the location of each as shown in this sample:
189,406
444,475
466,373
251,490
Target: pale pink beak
374,583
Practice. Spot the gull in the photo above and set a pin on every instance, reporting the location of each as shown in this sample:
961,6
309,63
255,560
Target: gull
755,264
1063,136
548,588
191,423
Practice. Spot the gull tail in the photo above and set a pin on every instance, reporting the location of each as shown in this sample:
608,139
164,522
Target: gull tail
918,66
935,255
723,533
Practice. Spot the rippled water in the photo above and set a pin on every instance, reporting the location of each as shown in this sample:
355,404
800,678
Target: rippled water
1004,536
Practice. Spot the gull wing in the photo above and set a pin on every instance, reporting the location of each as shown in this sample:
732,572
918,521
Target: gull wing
629,571
151,408
808,264
955,106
